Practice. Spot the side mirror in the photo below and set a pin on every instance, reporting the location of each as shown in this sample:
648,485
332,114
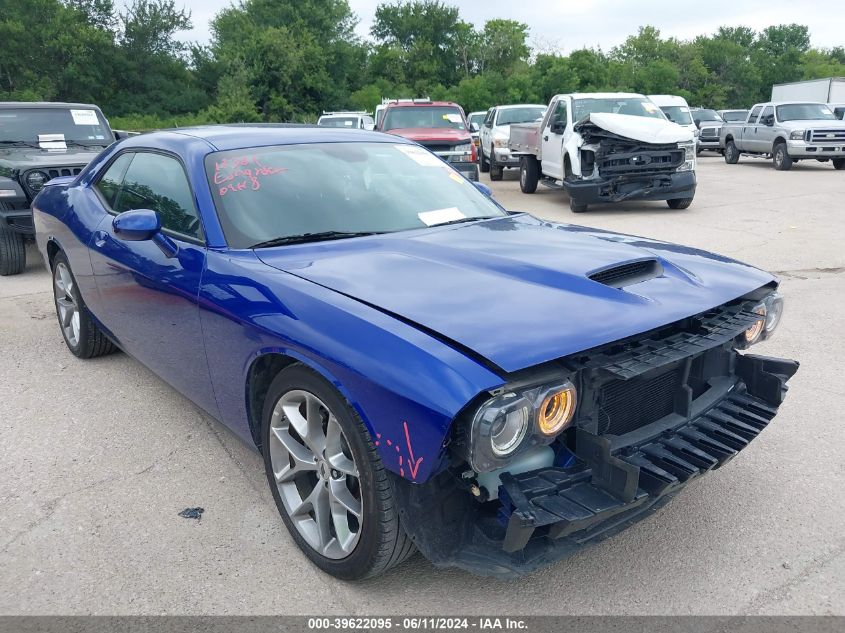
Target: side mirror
487,191
770,120
558,127
137,225
119,135
140,225
473,127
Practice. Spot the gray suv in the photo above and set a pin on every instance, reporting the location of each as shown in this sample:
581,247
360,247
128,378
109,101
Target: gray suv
787,132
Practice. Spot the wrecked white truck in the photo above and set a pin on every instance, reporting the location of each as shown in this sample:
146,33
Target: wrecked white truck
606,147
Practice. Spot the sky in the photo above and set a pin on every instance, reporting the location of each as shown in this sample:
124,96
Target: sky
566,25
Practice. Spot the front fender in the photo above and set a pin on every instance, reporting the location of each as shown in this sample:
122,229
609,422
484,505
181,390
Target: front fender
406,386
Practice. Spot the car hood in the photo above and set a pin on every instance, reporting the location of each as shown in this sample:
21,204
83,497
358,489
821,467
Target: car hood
515,290
639,128
813,124
428,134
24,158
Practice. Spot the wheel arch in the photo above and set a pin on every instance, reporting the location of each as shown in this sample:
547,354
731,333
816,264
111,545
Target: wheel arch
53,249
778,140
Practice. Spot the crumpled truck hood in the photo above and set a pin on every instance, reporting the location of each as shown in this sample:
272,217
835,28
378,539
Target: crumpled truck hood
639,128
515,290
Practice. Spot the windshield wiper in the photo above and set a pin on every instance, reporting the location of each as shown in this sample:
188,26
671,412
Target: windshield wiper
460,221
20,144
81,144
312,237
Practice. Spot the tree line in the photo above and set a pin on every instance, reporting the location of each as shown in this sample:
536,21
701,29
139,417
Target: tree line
288,60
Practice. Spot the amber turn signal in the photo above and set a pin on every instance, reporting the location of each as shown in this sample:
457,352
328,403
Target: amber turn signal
752,334
556,411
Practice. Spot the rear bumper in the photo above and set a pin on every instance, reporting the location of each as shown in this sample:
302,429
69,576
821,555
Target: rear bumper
548,514
18,220
654,187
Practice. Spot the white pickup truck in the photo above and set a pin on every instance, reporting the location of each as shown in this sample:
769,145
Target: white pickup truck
606,147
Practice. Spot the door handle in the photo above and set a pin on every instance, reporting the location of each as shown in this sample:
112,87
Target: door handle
99,239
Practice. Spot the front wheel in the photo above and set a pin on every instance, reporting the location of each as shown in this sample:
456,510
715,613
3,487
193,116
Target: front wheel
731,153
82,335
576,207
327,480
484,163
679,203
12,252
781,159
839,163
496,172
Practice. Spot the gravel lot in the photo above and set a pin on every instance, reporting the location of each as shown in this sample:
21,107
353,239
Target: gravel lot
99,457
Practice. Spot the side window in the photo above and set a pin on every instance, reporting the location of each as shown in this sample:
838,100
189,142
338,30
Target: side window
560,112
109,184
158,182
768,111
488,120
839,112
754,113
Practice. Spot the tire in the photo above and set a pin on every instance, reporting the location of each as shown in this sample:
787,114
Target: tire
780,157
575,207
698,151
731,153
529,174
83,337
679,203
380,541
496,172
485,164
839,163
12,252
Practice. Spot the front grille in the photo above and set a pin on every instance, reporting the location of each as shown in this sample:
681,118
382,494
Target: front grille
626,405
628,273
826,136
641,161
709,132
435,147
53,172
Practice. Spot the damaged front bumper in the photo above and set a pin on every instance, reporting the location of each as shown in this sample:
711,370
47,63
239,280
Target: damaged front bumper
661,186
548,514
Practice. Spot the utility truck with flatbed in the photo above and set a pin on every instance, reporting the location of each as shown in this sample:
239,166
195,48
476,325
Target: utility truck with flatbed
606,147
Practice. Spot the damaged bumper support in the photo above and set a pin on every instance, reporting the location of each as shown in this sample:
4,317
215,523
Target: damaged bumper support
550,513
665,186
18,219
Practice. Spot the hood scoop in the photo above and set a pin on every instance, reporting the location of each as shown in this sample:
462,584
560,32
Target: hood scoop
629,273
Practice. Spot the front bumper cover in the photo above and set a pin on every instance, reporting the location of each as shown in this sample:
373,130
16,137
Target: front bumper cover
550,513
663,186
18,220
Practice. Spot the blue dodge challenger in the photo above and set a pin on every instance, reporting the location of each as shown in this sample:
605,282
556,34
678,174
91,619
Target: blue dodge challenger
419,368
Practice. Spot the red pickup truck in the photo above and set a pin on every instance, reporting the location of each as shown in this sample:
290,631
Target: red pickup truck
440,126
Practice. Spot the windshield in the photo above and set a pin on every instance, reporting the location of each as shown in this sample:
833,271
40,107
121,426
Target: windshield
27,124
338,121
634,106
477,117
706,115
677,114
423,116
266,193
804,112
735,115
526,114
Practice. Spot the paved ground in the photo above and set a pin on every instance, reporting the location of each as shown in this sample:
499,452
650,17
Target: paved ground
99,457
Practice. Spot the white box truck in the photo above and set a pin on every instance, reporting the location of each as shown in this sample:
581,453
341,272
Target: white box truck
829,90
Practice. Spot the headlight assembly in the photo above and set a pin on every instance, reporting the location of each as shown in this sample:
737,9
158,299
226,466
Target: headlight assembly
770,311
689,150
796,135
500,142
514,421
36,180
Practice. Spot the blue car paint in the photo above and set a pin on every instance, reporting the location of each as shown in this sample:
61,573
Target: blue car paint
506,293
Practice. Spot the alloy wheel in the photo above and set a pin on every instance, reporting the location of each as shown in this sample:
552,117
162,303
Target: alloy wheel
316,474
66,306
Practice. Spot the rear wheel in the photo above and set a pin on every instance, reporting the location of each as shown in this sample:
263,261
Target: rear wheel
83,337
781,158
529,174
327,479
731,153
12,252
679,203
839,163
